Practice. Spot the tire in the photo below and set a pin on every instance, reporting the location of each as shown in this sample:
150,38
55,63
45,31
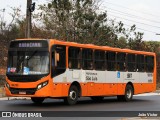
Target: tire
128,94
97,98
72,96
37,100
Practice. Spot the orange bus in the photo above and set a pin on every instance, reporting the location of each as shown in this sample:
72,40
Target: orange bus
48,68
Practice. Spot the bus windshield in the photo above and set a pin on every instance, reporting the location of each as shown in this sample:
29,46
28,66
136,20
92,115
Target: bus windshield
28,62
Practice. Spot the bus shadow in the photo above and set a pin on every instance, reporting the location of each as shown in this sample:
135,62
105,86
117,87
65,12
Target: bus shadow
48,103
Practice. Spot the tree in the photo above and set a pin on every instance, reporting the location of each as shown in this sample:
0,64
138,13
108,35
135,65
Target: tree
80,21
8,32
122,42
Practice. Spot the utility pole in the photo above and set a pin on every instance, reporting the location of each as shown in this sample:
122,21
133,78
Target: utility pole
29,10
28,20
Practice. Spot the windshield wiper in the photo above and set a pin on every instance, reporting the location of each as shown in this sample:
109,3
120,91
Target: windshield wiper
32,55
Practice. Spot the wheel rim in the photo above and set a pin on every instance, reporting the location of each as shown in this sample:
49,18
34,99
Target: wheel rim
129,94
73,95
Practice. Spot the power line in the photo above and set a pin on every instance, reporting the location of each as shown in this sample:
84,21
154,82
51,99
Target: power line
131,15
131,9
141,29
135,21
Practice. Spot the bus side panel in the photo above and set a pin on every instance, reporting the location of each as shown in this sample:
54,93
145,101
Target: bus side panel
84,89
138,88
112,90
57,90
106,89
60,89
143,88
65,89
99,89
121,88
91,89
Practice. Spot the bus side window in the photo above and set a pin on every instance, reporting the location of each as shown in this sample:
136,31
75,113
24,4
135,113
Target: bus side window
131,60
87,59
111,61
58,60
121,61
140,63
149,61
74,58
99,59
61,57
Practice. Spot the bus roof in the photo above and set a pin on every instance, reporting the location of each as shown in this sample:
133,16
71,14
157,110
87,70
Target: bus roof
92,46
74,44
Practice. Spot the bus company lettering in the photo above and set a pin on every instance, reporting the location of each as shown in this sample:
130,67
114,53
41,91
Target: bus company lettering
91,76
129,75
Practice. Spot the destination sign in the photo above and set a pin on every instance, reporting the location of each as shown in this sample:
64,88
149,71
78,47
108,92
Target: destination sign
29,44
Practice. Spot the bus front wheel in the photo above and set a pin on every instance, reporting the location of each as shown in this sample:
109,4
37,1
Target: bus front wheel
72,96
37,100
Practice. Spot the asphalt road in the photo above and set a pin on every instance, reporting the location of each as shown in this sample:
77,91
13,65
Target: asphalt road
86,106
139,103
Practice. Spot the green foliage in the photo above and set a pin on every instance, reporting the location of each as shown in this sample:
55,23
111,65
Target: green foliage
122,42
80,21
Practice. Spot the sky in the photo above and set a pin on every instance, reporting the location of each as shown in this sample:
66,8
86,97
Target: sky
145,14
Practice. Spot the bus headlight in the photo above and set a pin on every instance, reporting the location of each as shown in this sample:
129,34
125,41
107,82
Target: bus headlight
41,85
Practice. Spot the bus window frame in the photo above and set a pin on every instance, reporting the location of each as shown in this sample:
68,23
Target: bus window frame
146,64
103,60
79,59
131,62
55,68
122,63
139,63
91,60
108,60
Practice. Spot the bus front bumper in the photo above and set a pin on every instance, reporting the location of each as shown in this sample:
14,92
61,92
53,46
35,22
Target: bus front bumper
27,92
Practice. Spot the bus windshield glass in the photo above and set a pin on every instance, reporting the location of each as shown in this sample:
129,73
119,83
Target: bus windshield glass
28,62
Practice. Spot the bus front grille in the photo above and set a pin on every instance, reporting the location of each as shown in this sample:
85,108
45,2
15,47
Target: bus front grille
23,91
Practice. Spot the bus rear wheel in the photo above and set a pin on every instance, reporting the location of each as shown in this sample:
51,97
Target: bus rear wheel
128,94
72,96
37,100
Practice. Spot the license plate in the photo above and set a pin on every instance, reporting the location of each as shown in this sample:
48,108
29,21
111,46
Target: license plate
22,92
